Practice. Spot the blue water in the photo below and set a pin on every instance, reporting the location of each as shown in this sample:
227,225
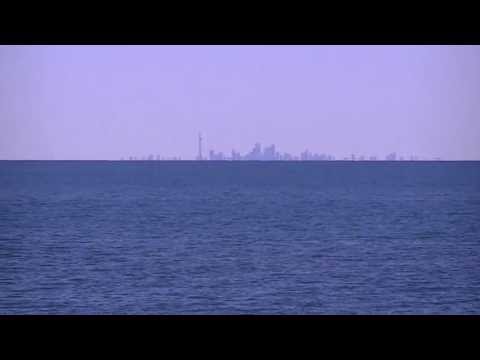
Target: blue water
239,237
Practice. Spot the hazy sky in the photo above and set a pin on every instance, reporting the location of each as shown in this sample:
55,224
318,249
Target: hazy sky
108,102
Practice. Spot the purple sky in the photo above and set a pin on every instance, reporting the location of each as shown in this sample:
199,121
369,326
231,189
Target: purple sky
108,102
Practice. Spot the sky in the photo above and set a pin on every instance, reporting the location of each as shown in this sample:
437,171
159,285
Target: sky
109,102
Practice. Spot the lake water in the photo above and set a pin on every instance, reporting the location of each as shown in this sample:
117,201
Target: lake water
133,237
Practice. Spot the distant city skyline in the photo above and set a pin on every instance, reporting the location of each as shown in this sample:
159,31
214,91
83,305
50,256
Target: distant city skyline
270,153
108,102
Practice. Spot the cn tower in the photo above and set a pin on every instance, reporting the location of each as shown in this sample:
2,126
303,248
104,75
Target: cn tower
199,156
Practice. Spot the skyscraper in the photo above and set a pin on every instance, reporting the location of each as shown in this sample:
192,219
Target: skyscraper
391,157
269,153
199,156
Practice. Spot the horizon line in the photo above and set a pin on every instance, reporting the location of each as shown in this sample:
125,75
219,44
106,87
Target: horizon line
259,161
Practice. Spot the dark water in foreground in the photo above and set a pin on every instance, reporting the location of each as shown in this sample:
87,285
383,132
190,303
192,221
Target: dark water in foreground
240,237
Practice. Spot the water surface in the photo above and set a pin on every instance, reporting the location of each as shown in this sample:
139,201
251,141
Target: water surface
88,237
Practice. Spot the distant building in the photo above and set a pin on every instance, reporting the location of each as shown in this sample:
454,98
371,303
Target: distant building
199,155
216,156
255,153
269,153
235,155
391,157
305,155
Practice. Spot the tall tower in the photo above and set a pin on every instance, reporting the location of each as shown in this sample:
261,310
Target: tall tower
199,156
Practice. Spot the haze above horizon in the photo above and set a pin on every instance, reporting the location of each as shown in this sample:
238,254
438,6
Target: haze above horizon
108,102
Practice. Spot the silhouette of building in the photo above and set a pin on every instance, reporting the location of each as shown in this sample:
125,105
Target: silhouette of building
235,155
269,153
255,153
216,156
305,155
391,157
200,139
